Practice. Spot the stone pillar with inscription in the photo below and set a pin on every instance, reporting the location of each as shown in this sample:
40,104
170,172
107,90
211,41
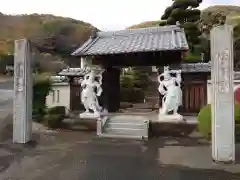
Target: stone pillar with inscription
22,109
223,124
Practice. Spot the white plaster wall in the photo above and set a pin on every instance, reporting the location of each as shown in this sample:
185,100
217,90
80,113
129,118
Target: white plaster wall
209,89
64,96
84,62
154,69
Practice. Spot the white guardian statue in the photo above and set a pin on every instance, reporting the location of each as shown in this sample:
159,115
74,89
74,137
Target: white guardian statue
170,88
91,90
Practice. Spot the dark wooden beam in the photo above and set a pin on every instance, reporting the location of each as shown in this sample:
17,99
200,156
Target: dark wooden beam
140,59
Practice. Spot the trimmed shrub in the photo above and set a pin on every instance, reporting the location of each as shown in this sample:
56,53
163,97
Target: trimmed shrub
126,81
53,121
205,118
61,110
140,78
54,116
38,113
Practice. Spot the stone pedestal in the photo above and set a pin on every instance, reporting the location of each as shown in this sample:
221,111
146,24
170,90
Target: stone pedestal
22,105
89,115
171,118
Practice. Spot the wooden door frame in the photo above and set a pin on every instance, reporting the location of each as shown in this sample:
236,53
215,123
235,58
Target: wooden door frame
73,87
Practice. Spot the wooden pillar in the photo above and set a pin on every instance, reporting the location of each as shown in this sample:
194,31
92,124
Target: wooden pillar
111,89
75,94
22,105
223,124
83,62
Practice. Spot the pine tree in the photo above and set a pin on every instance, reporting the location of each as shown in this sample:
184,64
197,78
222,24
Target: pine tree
186,13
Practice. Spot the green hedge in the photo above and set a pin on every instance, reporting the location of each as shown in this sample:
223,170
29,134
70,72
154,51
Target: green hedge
192,58
126,81
131,90
41,88
204,120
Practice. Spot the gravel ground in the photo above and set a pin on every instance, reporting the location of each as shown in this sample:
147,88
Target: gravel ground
82,156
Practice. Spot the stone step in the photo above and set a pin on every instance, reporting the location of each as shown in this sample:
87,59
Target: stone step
151,102
125,131
128,119
143,110
146,106
141,106
121,136
125,126
134,125
148,94
155,97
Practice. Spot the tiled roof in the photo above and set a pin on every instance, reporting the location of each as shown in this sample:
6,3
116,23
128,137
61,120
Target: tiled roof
72,72
59,79
195,67
202,67
135,40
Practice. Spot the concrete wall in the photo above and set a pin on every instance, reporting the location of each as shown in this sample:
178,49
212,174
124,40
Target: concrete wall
60,96
209,89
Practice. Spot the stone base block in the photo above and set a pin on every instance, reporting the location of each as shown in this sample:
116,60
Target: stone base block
174,118
89,115
86,115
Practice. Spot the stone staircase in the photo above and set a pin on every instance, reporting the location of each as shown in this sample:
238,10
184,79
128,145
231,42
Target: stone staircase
123,126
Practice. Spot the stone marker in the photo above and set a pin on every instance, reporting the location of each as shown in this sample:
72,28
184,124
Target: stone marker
223,125
22,108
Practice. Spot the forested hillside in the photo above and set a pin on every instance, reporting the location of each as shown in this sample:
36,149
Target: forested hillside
54,38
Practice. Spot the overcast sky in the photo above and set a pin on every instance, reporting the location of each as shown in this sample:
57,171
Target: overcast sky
103,14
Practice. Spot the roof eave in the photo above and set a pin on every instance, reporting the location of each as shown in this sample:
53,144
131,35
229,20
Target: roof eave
83,50
83,54
80,51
